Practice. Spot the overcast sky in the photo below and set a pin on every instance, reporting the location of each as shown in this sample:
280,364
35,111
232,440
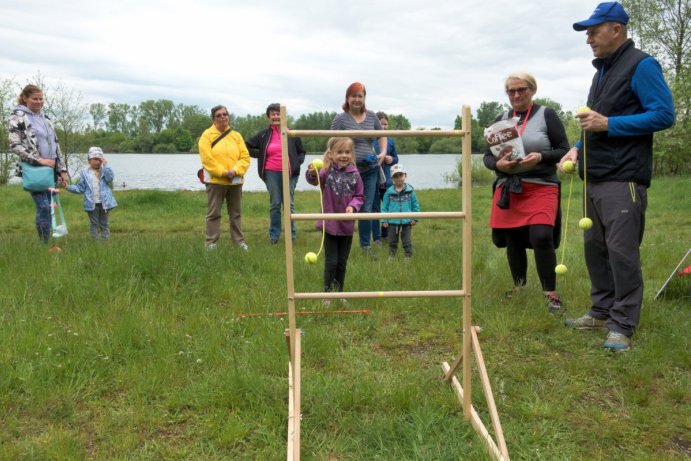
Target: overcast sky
423,59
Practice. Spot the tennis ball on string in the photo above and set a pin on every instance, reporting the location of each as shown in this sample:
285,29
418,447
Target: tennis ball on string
568,166
585,223
317,164
583,110
561,269
311,257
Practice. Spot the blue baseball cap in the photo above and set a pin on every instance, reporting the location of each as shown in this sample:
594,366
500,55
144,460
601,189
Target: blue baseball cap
605,12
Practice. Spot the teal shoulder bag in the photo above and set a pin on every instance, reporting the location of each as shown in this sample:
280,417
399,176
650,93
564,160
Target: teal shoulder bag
37,178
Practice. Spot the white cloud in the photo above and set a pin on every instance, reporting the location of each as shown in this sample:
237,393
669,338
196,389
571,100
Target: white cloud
422,59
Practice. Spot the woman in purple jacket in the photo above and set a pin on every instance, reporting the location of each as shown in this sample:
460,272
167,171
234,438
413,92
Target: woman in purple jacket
342,192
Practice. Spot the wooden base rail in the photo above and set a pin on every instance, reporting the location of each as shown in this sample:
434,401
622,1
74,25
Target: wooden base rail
370,216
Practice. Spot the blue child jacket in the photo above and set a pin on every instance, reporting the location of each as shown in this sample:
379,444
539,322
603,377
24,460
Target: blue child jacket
84,186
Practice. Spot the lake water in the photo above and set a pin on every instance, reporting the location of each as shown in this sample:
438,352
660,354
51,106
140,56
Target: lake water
179,171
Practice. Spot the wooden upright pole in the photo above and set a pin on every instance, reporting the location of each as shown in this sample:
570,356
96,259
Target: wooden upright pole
290,281
466,187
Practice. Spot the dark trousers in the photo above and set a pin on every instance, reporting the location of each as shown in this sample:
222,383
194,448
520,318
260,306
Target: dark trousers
612,252
336,252
405,233
43,217
377,232
541,238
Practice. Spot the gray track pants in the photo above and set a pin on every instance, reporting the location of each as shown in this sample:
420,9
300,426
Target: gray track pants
612,252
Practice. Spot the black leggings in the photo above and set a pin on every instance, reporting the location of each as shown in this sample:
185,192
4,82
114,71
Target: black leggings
541,238
336,252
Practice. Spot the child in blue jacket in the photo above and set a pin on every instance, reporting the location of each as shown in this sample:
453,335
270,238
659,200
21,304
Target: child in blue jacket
98,197
400,198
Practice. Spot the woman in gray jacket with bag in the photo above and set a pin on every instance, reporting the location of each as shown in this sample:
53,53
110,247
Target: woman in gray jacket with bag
33,139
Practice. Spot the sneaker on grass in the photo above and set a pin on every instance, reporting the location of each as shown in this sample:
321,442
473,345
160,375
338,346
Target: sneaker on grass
554,304
617,341
586,323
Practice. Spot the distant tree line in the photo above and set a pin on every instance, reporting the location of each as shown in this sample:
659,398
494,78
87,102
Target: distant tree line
660,27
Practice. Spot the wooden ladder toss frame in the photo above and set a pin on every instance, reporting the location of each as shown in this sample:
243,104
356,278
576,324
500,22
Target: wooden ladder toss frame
497,450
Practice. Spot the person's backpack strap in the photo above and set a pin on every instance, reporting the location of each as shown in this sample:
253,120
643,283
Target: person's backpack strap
200,172
223,135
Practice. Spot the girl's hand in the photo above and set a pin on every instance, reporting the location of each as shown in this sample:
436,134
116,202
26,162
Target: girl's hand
311,170
47,162
385,224
381,158
63,179
388,160
349,209
230,174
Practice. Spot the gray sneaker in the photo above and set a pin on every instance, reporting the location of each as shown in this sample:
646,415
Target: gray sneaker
367,251
210,246
243,246
586,323
617,341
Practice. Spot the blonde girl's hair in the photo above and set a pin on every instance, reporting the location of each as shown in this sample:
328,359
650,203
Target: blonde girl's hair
525,76
333,144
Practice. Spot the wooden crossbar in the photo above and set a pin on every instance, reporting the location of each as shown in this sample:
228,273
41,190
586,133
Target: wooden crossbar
376,133
380,294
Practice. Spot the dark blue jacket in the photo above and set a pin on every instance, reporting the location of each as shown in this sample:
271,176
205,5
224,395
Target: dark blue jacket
630,90
390,150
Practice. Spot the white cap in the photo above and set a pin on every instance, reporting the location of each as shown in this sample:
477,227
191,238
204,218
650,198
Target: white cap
95,152
396,169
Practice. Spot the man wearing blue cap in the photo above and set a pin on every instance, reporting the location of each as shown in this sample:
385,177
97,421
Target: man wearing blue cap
629,101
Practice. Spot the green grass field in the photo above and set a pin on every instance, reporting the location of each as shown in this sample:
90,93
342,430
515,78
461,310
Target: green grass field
134,350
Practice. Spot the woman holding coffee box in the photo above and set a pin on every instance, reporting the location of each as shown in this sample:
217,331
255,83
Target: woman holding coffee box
525,206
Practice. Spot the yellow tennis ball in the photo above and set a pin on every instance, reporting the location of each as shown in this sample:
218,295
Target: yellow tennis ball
317,164
585,223
568,166
583,109
560,269
311,258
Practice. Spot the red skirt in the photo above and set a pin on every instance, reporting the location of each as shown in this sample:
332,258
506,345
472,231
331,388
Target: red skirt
537,204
